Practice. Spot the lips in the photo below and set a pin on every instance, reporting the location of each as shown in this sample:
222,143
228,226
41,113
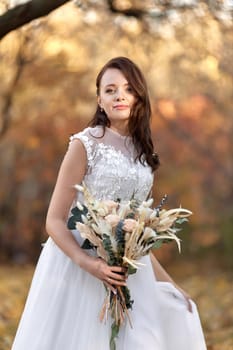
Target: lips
121,107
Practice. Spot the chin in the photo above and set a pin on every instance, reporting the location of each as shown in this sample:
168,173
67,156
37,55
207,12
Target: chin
120,116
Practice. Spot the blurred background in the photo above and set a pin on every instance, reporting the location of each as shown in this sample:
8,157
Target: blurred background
47,92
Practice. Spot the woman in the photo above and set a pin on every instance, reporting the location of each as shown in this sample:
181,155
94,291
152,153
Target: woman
115,158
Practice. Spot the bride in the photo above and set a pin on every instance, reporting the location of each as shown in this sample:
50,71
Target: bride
115,158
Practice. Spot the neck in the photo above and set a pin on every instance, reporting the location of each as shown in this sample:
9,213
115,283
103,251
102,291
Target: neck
120,128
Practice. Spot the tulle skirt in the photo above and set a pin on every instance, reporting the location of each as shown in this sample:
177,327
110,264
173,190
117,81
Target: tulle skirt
63,306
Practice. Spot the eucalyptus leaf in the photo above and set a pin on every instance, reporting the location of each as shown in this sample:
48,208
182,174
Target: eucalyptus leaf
120,239
107,244
130,215
178,229
128,301
181,220
115,330
131,270
76,217
157,244
87,244
71,224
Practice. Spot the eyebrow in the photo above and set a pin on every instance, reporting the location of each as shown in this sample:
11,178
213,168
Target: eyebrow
108,85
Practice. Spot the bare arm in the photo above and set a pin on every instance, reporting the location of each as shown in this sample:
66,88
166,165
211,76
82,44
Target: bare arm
72,172
62,198
162,275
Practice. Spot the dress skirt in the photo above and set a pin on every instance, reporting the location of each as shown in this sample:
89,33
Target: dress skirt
64,302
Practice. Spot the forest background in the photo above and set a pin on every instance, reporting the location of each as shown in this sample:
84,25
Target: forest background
47,92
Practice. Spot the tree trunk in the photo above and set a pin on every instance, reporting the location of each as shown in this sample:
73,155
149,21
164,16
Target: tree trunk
22,14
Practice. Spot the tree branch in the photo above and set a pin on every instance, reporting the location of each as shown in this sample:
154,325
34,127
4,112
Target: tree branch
9,95
138,13
22,14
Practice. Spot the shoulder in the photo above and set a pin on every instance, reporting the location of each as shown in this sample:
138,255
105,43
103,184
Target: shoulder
88,134
87,139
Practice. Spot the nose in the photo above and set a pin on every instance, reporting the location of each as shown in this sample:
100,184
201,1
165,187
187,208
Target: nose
120,95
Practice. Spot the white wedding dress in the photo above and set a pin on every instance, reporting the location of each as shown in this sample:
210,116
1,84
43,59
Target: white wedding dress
64,302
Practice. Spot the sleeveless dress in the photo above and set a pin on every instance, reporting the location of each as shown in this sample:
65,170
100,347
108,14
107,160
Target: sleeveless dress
64,302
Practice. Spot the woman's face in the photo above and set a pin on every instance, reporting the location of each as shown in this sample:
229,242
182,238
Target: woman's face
116,96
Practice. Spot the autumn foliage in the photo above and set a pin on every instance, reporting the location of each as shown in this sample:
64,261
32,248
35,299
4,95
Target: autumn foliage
47,92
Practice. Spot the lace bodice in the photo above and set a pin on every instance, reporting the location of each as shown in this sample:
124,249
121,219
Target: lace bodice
112,172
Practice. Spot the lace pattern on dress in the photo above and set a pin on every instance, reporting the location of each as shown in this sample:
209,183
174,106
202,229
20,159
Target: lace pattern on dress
112,171
88,144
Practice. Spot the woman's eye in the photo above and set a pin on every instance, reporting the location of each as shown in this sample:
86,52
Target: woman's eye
112,91
129,89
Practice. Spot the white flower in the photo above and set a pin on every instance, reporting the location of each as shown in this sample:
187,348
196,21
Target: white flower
84,219
110,205
112,219
124,209
79,188
102,211
147,203
84,230
148,234
153,215
96,228
179,212
79,206
142,211
129,225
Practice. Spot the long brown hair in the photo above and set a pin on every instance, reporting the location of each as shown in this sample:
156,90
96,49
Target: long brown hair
139,121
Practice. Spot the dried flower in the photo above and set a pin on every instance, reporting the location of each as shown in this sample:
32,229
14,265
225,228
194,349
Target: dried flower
129,225
121,233
112,219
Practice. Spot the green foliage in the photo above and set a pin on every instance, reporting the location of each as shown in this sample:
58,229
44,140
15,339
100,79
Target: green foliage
120,239
87,244
131,270
134,204
128,300
181,220
114,333
76,217
130,215
107,244
191,173
157,244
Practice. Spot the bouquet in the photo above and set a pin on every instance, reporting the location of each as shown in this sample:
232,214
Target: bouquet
122,232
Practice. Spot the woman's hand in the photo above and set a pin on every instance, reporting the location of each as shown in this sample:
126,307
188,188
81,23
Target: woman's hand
112,276
186,297
162,275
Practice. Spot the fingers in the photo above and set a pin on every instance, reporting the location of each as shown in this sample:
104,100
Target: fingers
110,287
190,307
187,299
115,281
189,303
119,269
117,276
112,275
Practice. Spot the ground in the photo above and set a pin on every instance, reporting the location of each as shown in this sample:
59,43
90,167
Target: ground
210,286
